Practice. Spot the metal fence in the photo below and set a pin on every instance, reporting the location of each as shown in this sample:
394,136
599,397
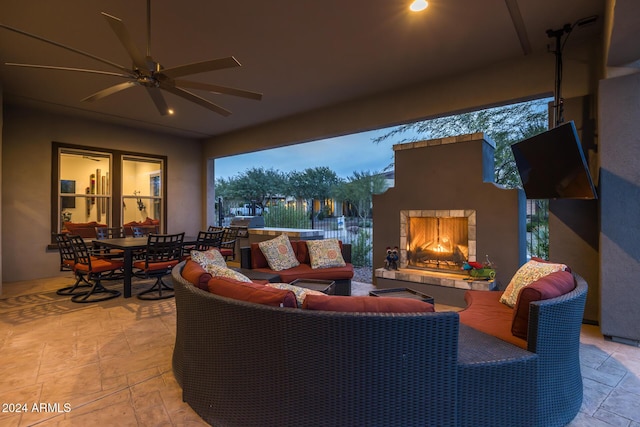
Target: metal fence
538,228
353,230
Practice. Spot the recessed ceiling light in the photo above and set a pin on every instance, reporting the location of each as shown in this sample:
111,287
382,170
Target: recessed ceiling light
418,5
170,111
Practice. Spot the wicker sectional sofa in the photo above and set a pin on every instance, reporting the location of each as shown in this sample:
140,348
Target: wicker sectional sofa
252,258
247,364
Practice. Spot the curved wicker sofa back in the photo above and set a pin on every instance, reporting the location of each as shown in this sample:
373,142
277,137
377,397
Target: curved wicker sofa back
244,364
554,335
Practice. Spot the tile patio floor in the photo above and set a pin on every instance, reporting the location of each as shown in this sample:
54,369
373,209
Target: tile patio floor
110,363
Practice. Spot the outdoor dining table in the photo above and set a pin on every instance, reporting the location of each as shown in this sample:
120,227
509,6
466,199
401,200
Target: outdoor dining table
129,245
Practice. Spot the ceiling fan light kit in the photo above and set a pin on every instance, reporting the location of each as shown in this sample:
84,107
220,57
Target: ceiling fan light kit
148,73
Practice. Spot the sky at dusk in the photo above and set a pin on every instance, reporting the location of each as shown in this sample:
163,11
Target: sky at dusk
343,154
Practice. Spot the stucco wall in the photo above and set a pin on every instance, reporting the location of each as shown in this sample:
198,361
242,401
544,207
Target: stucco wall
26,175
619,109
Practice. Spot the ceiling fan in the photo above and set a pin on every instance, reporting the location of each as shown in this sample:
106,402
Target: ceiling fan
148,73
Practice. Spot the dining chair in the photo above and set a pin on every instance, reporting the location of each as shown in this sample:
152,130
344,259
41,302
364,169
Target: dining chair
67,263
144,230
228,244
109,233
205,241
93,269
208,240
162,253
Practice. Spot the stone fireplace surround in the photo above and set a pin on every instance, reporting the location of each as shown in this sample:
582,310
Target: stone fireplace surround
407,215
447,175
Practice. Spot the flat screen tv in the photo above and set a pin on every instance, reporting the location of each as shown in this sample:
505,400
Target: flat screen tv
552,165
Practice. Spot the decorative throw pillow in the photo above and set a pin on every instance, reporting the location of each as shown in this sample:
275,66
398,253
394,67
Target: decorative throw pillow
210,257
279,253
217,271
325,253
526,275
300,292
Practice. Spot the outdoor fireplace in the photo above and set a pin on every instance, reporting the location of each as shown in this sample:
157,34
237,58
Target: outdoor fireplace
441,240
444,209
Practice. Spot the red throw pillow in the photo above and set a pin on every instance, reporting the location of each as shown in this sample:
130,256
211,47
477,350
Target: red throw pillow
547,287
366,304
251,292
196,275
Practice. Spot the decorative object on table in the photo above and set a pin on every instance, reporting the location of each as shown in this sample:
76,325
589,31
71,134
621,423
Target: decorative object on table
391,261
479,271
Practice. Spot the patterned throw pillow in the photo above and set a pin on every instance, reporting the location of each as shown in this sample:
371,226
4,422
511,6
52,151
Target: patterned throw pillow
526,275
325,253
210,257
217,271
279,253
299,292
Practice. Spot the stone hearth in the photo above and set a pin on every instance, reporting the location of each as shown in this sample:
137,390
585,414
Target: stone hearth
449,280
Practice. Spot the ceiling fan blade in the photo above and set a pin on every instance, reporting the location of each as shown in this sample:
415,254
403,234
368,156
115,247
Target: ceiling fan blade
219,89
80,70
118,27
80,52
201,67
195,98
109,91
158,100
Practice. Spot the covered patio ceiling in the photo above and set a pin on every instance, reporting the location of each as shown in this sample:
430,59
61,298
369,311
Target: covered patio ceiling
301,56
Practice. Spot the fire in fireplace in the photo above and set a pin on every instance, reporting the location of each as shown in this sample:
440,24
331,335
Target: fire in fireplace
438,240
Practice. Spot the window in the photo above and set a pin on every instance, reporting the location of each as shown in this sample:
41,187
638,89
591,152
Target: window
84,189
108,187
141,189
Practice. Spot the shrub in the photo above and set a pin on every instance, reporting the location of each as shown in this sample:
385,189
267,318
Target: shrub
286,217
361,249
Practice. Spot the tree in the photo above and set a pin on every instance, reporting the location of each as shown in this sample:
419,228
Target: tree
312,183
253,185
506,125
359,190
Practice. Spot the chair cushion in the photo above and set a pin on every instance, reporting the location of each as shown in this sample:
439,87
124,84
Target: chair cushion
526,275
487,314
251,292
257,257
156,266
99,265
366,304
304,271
196,275
547,287
226,252
279,253
301,250
325,253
